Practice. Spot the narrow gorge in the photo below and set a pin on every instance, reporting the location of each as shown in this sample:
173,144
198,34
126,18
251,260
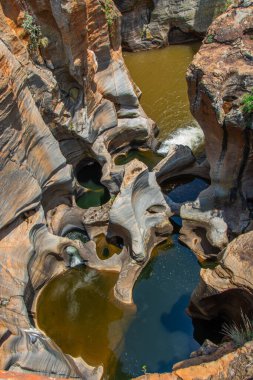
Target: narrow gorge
126,211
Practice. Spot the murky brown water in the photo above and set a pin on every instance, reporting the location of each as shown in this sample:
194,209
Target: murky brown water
78,311
160,74
148,157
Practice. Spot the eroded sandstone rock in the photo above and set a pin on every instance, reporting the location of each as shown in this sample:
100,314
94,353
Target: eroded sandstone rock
150,24
219,77
140,215
224,363
226,291
58,103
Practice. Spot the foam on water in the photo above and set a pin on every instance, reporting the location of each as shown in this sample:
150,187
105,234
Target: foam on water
191,136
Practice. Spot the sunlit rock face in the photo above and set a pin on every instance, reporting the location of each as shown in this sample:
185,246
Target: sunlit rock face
219,79
58,104
140,215
150,24
216,365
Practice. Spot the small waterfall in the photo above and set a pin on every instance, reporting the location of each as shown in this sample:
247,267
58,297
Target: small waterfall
191,136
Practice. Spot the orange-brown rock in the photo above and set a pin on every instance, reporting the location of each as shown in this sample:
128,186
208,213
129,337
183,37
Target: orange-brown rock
59,104
227,290
219,78
230,365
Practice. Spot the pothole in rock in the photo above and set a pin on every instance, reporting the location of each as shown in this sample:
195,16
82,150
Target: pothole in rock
88,174
107,248
184,188
78,311
148,157
77,234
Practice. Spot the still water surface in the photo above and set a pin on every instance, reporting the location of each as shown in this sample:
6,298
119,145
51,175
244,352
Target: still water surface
149,157
160,74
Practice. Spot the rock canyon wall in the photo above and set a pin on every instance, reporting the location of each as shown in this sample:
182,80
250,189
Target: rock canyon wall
67,97
218,225
155,23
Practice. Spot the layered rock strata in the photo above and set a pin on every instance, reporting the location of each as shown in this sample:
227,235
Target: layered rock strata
218,225
150,24
219,79
222,363
226,291
62,101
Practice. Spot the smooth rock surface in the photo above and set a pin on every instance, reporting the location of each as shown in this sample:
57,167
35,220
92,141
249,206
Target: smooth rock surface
151,24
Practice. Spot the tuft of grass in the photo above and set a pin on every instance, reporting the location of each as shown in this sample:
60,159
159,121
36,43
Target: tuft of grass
239,333
247,103
43,42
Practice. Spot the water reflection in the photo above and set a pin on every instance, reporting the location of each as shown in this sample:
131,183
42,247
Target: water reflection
148,157
161,332
89,175
78,311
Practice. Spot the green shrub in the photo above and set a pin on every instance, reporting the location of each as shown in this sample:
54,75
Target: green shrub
239,333
210,39
71,126
109,11
33,30
247,103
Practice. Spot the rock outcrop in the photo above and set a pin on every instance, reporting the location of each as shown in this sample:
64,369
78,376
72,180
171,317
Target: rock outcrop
70,98
219,78
21,376
223,363
62,100
227,290
218,225
151,24
140,215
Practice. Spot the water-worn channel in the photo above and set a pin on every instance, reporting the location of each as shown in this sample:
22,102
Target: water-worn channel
77,309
